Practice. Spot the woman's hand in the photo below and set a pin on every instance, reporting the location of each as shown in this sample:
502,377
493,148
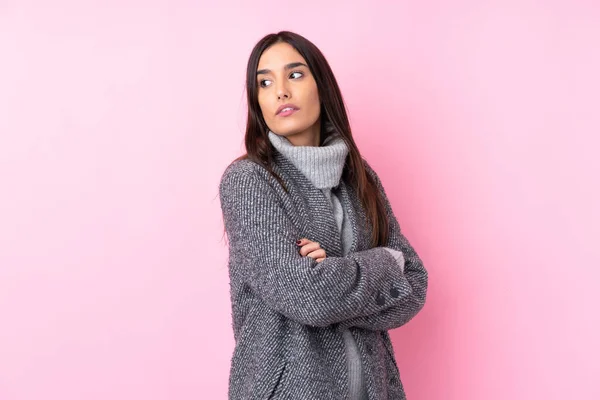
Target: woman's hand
311,249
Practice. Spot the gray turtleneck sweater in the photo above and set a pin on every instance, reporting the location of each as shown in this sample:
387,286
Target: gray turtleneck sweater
323,166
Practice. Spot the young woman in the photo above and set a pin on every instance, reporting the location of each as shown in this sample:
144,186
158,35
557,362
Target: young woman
319,269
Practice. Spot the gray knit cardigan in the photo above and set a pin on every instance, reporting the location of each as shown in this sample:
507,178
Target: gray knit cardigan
289,311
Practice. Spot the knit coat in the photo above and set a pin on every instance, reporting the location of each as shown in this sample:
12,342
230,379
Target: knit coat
323,166
290,312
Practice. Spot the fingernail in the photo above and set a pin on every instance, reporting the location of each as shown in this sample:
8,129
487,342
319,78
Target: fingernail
298,241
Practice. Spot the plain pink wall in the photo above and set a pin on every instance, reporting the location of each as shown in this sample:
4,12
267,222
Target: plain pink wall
118,118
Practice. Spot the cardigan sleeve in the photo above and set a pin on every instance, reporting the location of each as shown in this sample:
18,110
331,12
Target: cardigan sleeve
264,255
398,255
399,313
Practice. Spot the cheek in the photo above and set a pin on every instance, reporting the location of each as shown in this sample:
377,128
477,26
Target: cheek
264,107
314,102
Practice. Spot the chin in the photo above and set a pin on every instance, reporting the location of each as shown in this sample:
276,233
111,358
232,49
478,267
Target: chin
291,129
288,131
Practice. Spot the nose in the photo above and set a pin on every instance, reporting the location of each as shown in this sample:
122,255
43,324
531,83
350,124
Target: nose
282,92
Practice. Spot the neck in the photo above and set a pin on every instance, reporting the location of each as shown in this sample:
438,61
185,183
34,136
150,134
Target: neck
322,165
308,137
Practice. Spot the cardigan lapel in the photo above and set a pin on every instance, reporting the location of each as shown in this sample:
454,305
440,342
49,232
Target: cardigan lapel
316,210
357,216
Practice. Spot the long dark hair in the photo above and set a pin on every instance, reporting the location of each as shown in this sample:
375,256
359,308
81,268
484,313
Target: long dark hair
333,114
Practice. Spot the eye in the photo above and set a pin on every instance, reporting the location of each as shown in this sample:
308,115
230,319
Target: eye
261,83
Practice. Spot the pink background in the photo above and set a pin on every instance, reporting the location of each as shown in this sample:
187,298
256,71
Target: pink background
117,119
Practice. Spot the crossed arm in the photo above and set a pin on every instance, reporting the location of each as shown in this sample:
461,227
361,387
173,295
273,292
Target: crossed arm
400,312
366,289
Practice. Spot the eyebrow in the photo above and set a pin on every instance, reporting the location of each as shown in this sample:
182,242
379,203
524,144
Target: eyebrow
286,67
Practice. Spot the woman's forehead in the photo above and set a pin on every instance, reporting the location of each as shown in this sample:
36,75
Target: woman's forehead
278,56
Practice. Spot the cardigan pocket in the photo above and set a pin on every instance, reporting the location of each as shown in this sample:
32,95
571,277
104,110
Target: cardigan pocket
394,377
278,384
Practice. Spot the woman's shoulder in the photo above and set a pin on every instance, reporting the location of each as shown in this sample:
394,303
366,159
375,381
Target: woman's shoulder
246,184
240,165
244,170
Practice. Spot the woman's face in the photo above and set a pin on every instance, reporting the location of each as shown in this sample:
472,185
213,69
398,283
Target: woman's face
284,78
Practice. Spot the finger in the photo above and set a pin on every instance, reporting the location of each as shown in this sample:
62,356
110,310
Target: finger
317,254
302,241
309,248
320,259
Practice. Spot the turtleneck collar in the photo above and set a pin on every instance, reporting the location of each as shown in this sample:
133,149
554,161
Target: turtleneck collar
322,165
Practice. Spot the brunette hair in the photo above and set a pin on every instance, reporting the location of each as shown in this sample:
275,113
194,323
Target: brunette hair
333,115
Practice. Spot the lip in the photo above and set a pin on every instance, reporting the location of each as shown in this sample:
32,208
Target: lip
285,106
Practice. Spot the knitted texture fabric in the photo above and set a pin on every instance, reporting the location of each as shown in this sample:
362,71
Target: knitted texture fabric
323,166
289,312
